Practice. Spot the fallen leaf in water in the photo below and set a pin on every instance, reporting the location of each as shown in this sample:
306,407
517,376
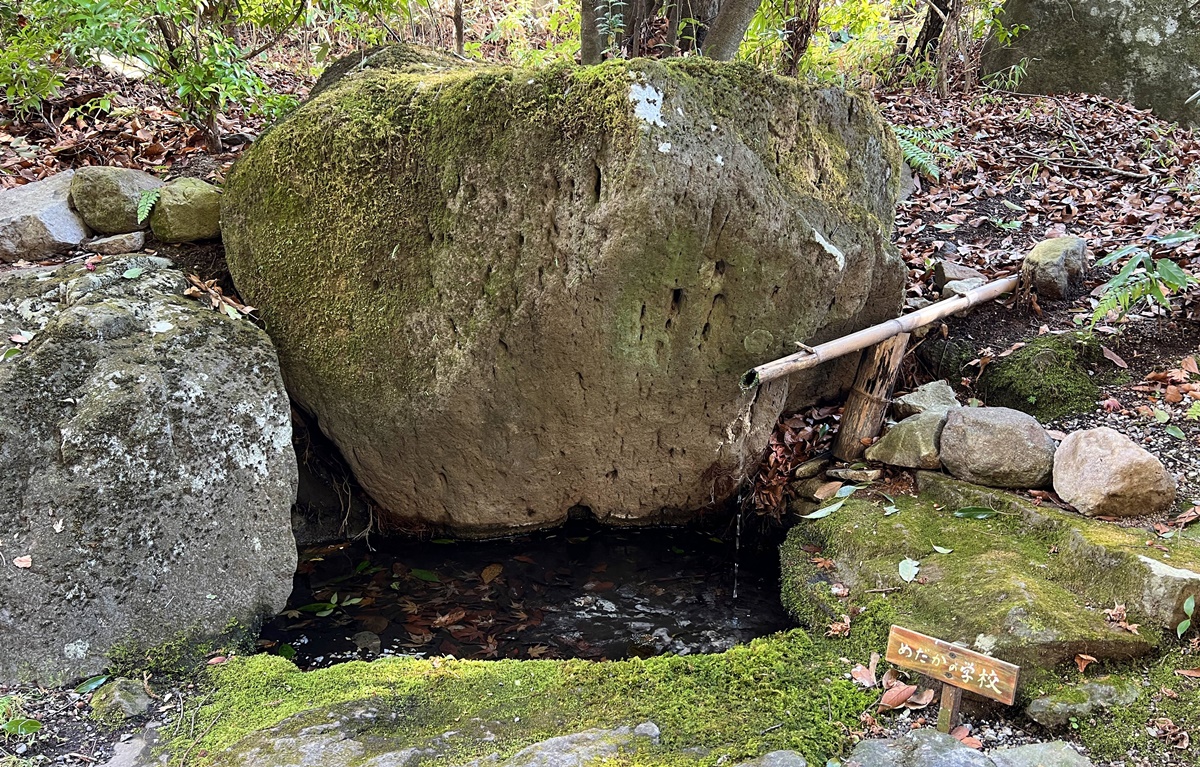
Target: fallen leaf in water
24,562
1083,661
449,619
491,572
526,559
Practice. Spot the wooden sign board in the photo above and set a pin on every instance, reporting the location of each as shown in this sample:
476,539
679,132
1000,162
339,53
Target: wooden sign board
953,665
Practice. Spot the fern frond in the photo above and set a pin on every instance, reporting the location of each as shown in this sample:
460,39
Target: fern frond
146,203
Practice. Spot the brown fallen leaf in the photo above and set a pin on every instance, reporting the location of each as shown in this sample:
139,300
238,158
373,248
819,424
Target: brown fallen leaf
1193,673
864,676
839,590
896,697
891,678
1083,661
491,572
24,562
1114,357
217,660
839,628
1173,395
921,699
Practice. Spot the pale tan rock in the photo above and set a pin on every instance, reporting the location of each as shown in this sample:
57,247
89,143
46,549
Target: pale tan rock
1102,473
997,447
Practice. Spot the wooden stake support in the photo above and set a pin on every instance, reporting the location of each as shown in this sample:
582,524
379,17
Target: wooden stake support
950,711
870,397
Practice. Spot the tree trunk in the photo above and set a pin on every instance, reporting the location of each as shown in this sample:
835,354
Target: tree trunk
931,30
458,27
589,36
728,28
799,30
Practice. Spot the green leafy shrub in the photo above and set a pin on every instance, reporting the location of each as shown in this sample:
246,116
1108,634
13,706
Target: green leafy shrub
1143,278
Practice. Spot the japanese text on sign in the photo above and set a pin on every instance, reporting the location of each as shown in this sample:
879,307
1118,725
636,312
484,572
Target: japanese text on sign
953,665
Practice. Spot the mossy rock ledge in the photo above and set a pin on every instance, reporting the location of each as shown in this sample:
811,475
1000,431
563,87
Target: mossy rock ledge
1028,585
787,692
510,294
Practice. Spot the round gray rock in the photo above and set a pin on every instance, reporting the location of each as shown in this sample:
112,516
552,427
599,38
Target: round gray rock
36,220
107,197
188,210
1055,267
146,469
933,396
913,443
997,447
1102,473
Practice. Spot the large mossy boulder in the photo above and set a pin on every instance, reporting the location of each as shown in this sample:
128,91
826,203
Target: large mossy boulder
1026,584
508,294
1148,53
146,470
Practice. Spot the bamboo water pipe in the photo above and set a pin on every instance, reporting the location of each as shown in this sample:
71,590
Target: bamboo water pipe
857,341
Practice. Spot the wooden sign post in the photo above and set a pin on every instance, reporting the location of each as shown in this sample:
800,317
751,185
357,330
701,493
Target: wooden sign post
957,668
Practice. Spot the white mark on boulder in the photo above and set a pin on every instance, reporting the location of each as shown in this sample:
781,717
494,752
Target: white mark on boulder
77,650
719,160
162,326
665,147
832,249
647,104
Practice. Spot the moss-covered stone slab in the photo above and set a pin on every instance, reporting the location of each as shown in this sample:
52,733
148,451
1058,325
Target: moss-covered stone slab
1095,697
146,468
1028,585
781,693
510,295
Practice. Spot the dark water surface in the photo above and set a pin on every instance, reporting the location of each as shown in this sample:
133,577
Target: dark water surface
584,594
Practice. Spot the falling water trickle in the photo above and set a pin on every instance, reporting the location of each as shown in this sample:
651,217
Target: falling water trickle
737,547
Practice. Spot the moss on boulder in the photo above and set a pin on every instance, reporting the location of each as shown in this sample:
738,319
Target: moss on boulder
1051,376
511,293
1027,585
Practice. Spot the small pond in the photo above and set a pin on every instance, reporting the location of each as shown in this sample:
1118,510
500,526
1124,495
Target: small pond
571,593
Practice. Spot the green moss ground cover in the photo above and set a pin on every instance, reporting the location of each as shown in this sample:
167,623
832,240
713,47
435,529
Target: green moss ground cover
781,692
